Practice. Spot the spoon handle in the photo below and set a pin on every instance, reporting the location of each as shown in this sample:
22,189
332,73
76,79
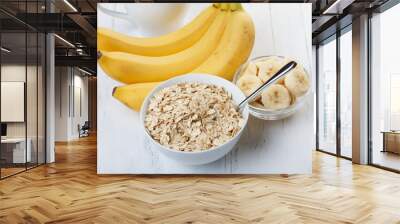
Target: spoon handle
285,69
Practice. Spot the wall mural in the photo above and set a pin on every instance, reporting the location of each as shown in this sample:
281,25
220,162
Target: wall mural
171,76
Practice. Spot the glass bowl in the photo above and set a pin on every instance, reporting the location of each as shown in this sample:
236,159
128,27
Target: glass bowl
268,114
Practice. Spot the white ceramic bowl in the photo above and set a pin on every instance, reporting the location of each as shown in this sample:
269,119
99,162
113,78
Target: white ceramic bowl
202,157
267,114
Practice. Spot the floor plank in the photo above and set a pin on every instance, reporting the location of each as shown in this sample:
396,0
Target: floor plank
70,191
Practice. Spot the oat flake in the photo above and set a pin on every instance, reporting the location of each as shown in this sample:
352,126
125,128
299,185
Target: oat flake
192,117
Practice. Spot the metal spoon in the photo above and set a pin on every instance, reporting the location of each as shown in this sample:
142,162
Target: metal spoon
285,69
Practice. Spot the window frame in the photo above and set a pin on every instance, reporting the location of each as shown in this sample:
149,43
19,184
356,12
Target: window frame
334,37
381,9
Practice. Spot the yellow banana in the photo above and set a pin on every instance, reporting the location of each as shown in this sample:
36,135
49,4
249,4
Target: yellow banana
219,56
108,40
133,95
130,68
234,49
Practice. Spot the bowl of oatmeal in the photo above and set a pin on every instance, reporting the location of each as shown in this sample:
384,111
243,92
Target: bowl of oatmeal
193,118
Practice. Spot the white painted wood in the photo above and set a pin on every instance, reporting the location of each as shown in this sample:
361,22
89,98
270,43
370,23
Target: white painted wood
265,147
12,101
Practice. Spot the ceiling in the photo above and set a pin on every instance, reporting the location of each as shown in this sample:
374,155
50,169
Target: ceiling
75,21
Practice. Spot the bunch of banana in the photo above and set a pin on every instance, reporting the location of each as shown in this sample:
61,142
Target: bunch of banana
109,40
280,95
216,42
133,95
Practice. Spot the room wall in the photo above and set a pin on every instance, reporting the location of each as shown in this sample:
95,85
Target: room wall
15,72
61,103
80,109
34,124
69,112
92,98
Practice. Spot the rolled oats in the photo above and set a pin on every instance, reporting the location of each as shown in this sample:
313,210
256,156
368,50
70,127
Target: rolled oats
192,117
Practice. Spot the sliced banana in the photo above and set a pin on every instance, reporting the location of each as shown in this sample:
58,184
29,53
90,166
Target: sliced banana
276,97
257,104
251,69
293,98
265,69
268,68
297,81
248,83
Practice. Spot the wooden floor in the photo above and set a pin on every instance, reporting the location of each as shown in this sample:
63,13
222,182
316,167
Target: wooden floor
70,191
9,171
387,159
5,172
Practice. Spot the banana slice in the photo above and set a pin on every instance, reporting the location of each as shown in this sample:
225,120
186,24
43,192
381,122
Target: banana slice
248,83
268,68
294,99
257,104
265,70
297,81
251,69
276,97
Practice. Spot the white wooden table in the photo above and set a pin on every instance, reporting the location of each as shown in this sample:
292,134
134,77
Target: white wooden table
266,147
